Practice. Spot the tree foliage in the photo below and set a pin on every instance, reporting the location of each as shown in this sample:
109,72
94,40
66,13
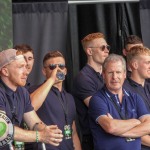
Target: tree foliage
5,24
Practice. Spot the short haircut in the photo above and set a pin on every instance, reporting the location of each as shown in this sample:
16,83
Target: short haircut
137,51
114,58
133,39
52,54
24,48
90,37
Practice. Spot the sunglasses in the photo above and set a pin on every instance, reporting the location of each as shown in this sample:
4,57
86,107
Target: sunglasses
53,66
103,47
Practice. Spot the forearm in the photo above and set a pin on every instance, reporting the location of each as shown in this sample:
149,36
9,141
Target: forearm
76,142
75,138
138,131
145,140
40,94
24,135
117,127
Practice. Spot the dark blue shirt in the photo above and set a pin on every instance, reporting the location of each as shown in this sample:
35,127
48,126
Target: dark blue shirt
52,113
144,92
132,106
86,83
19,102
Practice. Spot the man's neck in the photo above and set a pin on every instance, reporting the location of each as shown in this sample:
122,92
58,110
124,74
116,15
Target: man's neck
9,84
58,86
97,67
135,77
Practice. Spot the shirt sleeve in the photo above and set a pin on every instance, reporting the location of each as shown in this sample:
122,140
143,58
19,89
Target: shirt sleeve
84,87
141,106
28,106
2,100
97,107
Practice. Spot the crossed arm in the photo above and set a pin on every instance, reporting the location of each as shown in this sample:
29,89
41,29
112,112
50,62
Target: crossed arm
125,128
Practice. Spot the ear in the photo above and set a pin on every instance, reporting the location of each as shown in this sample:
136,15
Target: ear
65,72
44,71
124,52
5,71
135,65
89,51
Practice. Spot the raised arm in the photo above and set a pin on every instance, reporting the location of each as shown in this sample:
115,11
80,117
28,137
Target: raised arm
39,95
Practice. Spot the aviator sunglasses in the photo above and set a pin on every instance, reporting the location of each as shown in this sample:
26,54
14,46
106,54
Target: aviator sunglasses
53,66
103,47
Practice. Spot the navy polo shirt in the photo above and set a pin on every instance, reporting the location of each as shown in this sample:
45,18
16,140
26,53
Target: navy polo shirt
144,92
100,104
86,83
19,102
52,113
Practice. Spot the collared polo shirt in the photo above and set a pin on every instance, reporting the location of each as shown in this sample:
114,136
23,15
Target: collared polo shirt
19,102
52,113
144,92
16,101
132,106
86,84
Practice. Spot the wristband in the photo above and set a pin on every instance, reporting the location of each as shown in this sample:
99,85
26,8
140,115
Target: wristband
37,136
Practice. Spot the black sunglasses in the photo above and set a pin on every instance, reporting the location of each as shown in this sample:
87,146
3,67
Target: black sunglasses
53,66
103,47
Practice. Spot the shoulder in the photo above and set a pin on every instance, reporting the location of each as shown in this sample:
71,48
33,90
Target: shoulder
100,96
33,88
2,93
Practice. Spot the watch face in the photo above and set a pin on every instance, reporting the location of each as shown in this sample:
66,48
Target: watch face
6,130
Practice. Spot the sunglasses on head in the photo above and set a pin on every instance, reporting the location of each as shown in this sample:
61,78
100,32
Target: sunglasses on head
53,66
103,47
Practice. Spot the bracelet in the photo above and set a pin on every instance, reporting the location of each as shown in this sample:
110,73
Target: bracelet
37,136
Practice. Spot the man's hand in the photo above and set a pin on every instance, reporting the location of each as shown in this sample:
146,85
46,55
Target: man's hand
51,135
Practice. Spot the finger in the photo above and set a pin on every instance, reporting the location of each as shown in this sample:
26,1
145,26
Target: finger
54,141
53,127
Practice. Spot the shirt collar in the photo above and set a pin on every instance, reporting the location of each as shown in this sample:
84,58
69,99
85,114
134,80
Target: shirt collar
109,94
9,91
132,82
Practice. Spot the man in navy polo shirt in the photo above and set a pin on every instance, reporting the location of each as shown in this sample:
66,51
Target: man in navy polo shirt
53,104
89,81
118,118
15,101
139,61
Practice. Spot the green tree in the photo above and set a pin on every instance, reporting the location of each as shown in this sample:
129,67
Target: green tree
5,24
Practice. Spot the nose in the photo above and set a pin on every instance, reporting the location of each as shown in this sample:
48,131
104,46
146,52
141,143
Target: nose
114,75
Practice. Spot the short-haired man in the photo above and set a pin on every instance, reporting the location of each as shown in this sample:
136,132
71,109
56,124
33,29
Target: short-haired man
89,81
53,104
118,118
28,53
15,101
139,61
131,41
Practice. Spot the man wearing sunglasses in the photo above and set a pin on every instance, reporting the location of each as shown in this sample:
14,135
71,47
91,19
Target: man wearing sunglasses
89,81
53,104
15,102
